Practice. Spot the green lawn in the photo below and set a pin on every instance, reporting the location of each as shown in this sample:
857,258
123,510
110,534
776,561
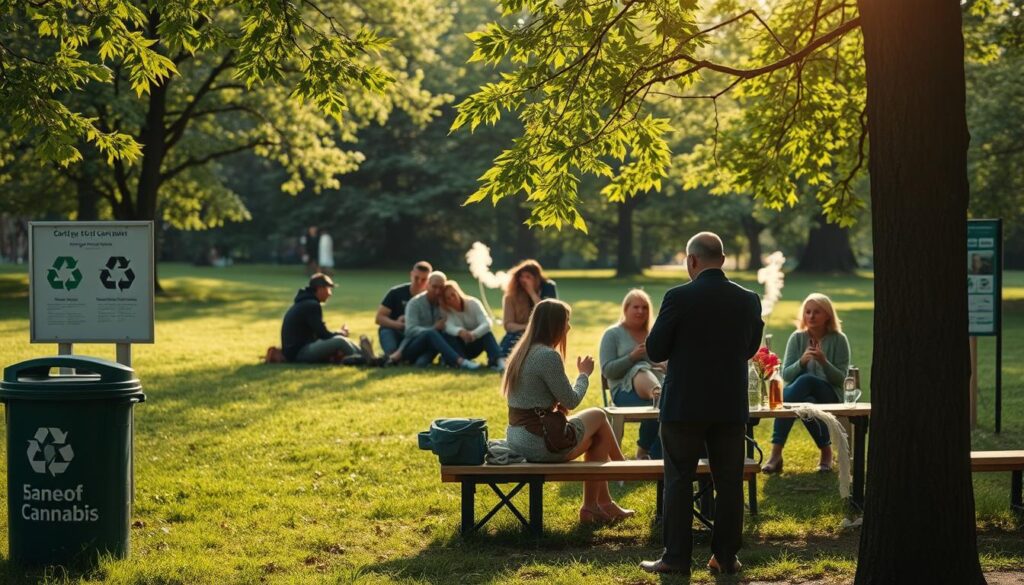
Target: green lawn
297,474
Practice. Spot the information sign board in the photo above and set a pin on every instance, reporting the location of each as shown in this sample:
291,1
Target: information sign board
91,282
984,276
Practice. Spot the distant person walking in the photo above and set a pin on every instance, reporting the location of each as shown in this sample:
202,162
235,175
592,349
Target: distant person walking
325,253
707,330
311,249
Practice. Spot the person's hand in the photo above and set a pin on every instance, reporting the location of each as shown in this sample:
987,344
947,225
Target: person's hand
534,295
561,408
343,331
639,352
401,320
585,365
817,355
439,324
465,336
661,367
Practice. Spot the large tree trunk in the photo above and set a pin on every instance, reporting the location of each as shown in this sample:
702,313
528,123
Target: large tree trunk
752,229
625,263
919,523
828,249
88,199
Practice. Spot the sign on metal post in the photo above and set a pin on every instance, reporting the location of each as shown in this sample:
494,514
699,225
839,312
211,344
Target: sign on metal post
985,297
91,282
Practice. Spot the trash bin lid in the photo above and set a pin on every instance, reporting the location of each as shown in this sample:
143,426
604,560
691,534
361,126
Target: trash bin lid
94,379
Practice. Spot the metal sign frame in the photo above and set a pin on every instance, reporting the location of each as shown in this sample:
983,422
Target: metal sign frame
32,226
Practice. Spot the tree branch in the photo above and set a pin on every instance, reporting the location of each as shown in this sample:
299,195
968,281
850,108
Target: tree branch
193,162
177,128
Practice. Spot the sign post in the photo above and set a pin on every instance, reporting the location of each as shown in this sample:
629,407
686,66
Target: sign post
985,300
91,282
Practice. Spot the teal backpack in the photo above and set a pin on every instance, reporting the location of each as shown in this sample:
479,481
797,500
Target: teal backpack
456,441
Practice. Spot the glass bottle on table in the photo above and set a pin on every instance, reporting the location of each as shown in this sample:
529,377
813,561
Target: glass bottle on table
775,391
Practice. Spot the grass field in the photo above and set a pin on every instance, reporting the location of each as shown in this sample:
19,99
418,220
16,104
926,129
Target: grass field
302,474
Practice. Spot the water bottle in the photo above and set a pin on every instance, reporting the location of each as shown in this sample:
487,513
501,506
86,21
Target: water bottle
753,388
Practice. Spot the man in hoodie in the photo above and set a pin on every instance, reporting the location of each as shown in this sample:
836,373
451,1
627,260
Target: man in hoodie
304,335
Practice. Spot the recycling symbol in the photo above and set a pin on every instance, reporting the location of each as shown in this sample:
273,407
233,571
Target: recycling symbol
53,275
127,277
48,451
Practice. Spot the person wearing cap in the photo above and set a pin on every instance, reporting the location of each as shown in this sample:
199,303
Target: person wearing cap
304,335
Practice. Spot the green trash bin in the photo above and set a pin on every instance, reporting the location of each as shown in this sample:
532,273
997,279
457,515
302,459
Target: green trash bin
69,458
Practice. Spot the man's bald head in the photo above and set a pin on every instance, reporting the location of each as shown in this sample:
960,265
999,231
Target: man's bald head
435,286
703,251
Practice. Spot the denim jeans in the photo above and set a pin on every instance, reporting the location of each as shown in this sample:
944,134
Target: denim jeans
470,350
390,339
422,349
806,388
321,350
648,438
508,342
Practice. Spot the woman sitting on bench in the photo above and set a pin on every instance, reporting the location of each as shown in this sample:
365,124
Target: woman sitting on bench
539,397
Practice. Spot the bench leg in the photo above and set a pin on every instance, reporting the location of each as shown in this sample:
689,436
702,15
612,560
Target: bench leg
1017,491
468,505
536,507
618,424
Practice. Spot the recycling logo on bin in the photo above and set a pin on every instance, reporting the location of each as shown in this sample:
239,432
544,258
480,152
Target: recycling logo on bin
49,451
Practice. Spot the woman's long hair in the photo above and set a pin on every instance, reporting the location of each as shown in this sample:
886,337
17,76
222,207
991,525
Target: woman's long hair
634,295
529,265
549,323
834,325
452,285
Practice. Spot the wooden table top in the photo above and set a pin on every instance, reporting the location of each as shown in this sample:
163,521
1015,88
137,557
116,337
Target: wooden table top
839,410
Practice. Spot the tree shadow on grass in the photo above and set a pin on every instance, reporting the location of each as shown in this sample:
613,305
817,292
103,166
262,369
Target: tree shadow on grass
593,556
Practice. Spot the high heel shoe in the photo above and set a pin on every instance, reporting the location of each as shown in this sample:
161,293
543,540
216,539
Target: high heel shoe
615,512
769,468
598,516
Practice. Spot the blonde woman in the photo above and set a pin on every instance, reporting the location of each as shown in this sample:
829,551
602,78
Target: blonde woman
634,380
817,356
468,327
527,286
537,388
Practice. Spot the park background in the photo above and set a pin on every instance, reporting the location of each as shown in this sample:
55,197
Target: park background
252,473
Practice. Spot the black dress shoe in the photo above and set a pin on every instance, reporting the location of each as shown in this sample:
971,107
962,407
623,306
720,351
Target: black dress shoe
660,566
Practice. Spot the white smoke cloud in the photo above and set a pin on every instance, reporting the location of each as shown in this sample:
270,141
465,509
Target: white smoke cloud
479,259
773,279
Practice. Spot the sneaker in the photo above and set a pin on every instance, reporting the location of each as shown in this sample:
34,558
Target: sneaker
469,365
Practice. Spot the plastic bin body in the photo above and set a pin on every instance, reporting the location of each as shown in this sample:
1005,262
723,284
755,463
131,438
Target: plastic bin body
69,462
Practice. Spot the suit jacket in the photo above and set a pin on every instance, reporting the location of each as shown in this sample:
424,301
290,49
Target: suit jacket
707,329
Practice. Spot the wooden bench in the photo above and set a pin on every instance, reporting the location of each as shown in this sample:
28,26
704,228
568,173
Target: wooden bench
1012,461
535,475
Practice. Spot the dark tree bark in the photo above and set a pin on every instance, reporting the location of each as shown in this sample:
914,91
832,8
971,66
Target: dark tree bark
919,522
625,263
752,229
828,249
88,199
526,241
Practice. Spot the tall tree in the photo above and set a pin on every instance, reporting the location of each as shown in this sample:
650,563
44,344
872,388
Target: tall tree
165,90
584,76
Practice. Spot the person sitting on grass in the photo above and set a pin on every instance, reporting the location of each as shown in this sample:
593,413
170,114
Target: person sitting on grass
424,330
817,356
304,335
391,314
633,378
469,327
527,286
536,387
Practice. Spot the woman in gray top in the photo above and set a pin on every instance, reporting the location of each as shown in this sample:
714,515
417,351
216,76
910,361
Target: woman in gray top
535,379
817,356
634,379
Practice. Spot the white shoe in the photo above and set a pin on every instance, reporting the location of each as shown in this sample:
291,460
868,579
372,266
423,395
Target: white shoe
500,366
469,365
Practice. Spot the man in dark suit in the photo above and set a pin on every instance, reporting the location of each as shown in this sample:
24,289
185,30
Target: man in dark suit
707,330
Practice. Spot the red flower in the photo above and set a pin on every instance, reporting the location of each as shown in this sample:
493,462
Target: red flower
765,363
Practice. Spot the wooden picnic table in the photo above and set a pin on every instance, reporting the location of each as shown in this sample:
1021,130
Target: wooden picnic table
858,415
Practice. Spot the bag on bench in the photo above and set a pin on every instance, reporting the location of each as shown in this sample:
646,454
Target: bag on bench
456,441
